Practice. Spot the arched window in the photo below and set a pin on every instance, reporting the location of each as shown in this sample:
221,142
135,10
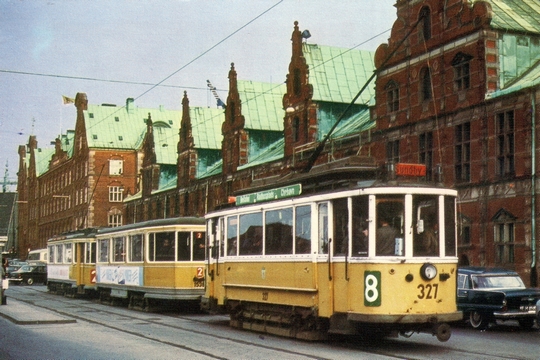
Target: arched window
425,23
392,96
425,84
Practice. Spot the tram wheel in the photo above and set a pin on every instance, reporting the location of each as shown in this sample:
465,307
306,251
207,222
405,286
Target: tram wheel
478,320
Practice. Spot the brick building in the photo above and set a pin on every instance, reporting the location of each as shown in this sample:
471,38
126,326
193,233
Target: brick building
82,181
455,89
448,96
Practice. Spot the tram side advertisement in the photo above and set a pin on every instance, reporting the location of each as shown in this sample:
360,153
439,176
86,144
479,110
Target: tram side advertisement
120,275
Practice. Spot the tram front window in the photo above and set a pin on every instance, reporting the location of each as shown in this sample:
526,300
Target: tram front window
389,236
426,237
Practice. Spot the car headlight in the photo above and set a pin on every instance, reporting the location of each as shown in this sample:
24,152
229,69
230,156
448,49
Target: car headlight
428,271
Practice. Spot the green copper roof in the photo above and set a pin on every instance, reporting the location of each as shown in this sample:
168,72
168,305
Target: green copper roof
262,105
43,157
165,143
360,121
528,80
113,127
518,15
206,127
338,74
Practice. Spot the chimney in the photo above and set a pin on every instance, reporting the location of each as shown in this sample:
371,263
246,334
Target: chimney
130,105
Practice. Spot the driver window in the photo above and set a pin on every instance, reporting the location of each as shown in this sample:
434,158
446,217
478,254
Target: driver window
390,221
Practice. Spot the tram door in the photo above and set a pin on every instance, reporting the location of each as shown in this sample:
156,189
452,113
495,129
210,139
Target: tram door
339,249
79,270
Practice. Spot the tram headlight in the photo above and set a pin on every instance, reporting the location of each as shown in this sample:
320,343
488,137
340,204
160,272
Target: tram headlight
428,271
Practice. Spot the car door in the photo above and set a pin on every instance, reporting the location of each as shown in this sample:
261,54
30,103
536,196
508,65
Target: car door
464,287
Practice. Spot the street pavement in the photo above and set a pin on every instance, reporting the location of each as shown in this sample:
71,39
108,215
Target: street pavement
23,313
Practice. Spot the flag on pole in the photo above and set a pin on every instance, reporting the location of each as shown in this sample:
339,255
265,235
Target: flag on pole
67,100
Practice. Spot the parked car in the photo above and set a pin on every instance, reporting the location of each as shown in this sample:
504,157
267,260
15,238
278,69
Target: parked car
489,294
30,274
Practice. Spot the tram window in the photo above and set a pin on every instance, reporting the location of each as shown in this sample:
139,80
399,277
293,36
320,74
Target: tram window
251,234
135,247
69,254
161,246
278,227
119,247
184,242
360,241
60,253
103,250
198,246
450,226
303,230
323,228
51,254
389,236
90,253
232,235
426,218
341,226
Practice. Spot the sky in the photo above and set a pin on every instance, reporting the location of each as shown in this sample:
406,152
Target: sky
153,51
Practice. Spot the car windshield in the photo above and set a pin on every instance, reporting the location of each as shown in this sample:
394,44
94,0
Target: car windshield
498,282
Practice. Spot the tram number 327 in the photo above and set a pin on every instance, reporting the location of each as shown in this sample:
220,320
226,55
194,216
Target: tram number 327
372,289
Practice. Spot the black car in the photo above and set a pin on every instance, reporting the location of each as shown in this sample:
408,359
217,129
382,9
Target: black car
29,274
489,294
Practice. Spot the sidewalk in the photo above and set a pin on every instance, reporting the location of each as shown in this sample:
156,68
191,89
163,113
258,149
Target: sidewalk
22,313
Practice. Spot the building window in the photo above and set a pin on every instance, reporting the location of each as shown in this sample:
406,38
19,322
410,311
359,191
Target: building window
392,96
464,234
504,237
425,84
392,151
426,153
116,167
462,77
116,193
505,143
425,23
115,218
463,153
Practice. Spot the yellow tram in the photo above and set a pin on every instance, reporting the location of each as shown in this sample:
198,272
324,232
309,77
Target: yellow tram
152,263
71,266
335,253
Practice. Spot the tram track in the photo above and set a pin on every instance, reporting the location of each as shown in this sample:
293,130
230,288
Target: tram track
138,324
90,308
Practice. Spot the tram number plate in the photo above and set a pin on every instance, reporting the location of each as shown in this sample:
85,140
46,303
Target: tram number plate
265,295
372,288
198,283
428,291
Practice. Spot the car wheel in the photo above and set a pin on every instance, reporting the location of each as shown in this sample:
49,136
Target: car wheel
30,281
526,323
478,320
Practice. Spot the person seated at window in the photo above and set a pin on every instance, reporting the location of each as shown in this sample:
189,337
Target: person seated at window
386,239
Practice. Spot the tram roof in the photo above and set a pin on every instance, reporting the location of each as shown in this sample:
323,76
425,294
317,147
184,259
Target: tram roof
153,223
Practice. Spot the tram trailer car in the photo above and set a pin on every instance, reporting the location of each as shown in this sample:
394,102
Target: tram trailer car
152,265
71,265
365,258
